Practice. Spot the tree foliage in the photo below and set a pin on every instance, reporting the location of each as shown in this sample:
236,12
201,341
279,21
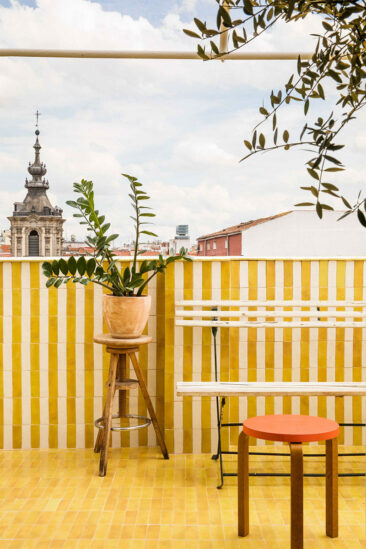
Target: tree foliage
339,57
101,268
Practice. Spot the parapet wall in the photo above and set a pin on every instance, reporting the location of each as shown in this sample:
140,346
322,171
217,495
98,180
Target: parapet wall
52,375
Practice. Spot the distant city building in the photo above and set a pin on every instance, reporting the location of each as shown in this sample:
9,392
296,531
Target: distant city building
150,248
36,226
79,247
5,236
298,233
5,243
228,241
75,247
181,240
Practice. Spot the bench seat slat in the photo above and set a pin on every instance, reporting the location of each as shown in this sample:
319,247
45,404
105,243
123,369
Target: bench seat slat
220,388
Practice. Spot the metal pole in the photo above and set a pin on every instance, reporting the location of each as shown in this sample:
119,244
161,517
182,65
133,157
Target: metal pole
224,37
143,54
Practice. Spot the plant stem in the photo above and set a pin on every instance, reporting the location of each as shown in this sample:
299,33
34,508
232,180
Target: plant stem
137,230
141,289
108,254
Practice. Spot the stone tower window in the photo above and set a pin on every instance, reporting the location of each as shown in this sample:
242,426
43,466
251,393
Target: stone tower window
33,244
19,246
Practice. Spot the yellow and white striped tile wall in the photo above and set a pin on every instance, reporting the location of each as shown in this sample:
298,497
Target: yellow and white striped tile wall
52,375
264,354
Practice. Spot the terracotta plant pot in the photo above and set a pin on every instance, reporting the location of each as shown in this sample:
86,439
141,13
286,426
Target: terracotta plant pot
126,317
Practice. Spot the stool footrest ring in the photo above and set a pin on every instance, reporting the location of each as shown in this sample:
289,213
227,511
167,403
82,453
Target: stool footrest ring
99,422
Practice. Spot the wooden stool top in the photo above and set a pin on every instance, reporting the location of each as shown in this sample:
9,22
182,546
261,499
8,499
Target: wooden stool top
291,428
107,339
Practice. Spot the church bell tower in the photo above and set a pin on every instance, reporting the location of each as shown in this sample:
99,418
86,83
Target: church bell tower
36,226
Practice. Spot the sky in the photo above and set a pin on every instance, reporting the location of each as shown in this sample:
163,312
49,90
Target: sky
176,125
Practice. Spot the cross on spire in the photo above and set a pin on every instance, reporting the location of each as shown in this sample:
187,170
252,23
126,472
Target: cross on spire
37,115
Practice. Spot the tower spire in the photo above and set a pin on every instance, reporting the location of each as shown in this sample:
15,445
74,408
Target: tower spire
38,169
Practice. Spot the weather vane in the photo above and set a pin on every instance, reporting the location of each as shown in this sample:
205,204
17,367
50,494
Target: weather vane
37,115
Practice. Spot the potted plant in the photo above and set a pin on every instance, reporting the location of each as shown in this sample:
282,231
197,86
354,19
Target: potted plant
126,308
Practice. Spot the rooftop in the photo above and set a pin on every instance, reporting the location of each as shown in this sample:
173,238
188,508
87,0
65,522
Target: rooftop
52,387
244,226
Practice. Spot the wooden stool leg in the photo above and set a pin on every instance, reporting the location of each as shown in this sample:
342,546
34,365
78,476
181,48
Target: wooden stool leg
122,394
98,442
108,415
149,405
121,374
297,496
331,488
243,485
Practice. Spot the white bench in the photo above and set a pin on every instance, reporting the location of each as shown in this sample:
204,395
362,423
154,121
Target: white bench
268,314
271,314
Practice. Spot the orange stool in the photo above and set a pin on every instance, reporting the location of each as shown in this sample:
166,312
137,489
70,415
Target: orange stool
293,429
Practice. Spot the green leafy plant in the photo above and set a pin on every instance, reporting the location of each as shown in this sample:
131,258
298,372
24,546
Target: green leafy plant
101,268
338,59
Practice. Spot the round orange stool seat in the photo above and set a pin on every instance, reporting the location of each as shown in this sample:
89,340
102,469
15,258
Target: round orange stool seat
291,428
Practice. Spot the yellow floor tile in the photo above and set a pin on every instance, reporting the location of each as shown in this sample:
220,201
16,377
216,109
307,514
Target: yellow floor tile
54,499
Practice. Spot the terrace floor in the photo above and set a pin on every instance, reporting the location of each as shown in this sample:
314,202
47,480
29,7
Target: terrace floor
54,498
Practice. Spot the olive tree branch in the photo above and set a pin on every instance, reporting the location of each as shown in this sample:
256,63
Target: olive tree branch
274,147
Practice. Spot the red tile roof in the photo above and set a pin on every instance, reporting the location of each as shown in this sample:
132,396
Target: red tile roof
151,252
242,226
4,250
122,252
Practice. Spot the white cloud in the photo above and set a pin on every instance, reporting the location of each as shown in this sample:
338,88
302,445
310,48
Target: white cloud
191,6
179,126
201,154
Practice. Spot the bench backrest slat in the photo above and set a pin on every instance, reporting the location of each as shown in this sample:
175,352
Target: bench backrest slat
266,303
278,314
273,314
268,324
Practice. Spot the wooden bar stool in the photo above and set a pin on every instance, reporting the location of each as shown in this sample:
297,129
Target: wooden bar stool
293,429
120,350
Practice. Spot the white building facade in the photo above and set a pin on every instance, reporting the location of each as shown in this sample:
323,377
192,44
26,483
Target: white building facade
300,233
